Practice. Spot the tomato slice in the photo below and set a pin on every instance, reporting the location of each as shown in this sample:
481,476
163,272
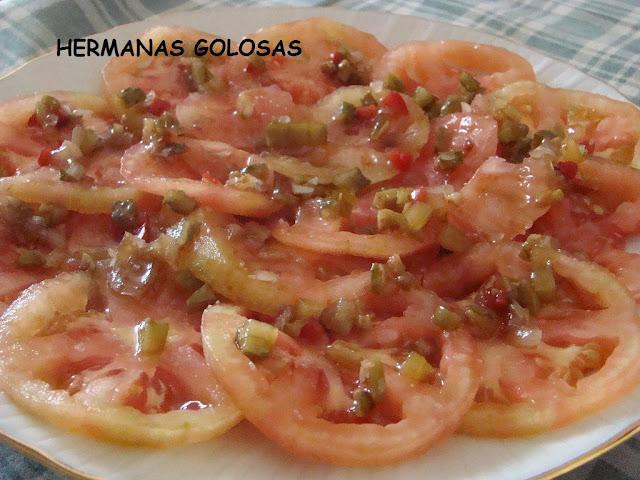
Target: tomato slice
588,358
292,399
76,368
311,232
150,174
505,198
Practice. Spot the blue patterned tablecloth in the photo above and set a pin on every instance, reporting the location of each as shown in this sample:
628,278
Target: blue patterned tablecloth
600,37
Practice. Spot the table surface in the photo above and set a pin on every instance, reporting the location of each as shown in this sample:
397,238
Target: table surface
599,37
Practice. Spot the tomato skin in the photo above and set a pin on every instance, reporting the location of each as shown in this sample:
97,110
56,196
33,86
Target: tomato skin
400,159
394,104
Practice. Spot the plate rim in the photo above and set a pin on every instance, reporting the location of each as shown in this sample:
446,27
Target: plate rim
61,467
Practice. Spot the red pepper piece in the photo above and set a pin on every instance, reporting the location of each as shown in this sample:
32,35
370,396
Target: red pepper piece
400,159
394,104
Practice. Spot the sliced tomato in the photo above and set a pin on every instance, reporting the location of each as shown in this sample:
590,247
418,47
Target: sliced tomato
311,232
77,368
588,358
503,200
293,404
150,174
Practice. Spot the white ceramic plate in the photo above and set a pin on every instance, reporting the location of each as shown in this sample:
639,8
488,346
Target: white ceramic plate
244,453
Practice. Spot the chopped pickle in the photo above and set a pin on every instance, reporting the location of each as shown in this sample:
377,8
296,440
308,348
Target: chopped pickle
362,402
378,278
365,320
469,83
187,282
543,280
132,96
442,140
202,297
199,73
542,136
85,138
483,322
509,112
570,151
135,268
368,99
415,368
292,318
510,131
171,149
345,71
519,150
452,104
446,319
372,375
423,98
123,213
47,109
527,296
340,316
347,112
179,202
308,133
117,136
395,265
345,354
351,179
391,198
72,172
51,214
31,259
258,170
151,337
379,127
534,242
417,215
449,160
256,339
392,82
340,204
518,315
453,239
390,220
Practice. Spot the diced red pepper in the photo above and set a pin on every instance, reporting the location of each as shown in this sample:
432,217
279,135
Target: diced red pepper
568,169
45,158
336,57
207,177
394,104
400,159
495,299
419,194
366,112
158,106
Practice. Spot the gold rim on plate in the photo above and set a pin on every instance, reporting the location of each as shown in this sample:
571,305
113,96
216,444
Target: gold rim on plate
63,469
59,467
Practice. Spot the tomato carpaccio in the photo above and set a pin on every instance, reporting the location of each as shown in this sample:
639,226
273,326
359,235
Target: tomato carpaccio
360,251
